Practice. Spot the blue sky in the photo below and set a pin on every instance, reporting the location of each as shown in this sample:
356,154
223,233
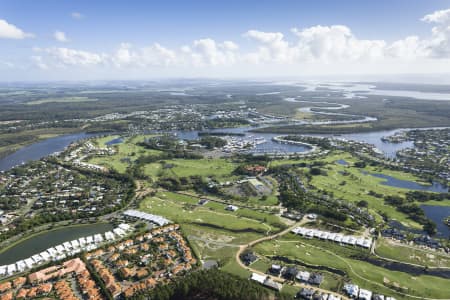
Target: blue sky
146,39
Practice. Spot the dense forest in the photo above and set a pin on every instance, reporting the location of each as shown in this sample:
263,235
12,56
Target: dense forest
210,285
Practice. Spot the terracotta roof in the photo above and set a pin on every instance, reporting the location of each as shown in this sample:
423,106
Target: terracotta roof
122,263
5,286
7,296
22,293
45,288
19,281
32,292
127,272
141,273
150,282
129,292
114,257
115,289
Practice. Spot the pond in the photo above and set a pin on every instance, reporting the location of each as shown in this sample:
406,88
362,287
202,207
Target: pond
41,149
116,141
342,162
411,185
41,242
437,214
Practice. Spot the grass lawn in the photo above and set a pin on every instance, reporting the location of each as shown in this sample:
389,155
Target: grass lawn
232,267
362,273
389,249
218,168
213,232
271,220
354,186
183,212
128,150
332,282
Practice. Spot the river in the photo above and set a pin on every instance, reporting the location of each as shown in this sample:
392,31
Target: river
40,149
41,242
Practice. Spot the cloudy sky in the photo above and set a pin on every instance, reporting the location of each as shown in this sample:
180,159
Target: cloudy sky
89,39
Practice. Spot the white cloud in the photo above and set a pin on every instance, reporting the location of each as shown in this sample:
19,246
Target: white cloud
154,55
62,57
10,31
324,44
439,16
60,36
308,49
273,48
230,46
207,52
409,48
76,15
336,43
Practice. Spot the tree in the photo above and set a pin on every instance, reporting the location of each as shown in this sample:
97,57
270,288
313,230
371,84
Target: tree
430,227
362,204
315,171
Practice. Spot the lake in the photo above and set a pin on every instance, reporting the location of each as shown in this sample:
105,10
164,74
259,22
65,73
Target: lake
411,185
437,214
40,149
41,242
389,149
268,147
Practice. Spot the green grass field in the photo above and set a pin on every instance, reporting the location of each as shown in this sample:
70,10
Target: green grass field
128,150
214,233
218,168
354,185
331,282
405,253
362,273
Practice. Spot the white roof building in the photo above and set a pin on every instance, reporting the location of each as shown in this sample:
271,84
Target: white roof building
109,236
82,241
365,294
119,232
125,227
11,269
59,249
75,244
21,266
149,217
29,262
257,277
98,238
45,255
352,290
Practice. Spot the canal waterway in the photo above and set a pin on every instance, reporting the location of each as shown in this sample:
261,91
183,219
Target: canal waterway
43,241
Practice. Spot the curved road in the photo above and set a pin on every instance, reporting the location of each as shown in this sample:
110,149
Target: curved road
242,248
